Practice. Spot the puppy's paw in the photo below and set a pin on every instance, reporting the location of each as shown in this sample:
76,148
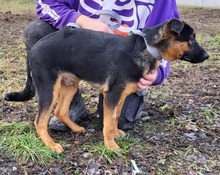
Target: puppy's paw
111,145
118,133
56,147
80,130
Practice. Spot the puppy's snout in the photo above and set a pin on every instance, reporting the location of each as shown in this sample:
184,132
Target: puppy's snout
205,56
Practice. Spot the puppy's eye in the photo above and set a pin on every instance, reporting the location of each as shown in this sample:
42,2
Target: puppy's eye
192,39
192,36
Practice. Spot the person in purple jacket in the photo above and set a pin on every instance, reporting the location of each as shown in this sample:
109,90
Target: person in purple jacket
134,14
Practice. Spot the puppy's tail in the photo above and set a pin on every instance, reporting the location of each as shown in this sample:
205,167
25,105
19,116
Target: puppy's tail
28,92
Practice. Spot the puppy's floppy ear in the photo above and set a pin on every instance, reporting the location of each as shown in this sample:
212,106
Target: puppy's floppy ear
176,25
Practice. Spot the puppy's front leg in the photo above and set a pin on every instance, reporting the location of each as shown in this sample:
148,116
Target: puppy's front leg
109,127
119,132
129,89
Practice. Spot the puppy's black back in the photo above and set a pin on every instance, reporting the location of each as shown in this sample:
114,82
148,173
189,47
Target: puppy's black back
90,55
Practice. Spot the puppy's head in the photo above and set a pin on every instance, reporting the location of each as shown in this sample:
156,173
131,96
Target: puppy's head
176,40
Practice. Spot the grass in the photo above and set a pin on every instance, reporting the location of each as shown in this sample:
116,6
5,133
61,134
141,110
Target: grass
212,41
215,41
19,141
17,6
125,142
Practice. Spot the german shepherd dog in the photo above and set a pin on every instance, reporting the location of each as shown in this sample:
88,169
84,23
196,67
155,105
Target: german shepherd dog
58,62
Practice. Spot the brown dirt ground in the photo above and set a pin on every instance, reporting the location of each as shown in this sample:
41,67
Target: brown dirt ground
182,100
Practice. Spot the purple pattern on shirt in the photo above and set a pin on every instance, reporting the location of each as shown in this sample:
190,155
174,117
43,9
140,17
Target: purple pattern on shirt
92,4
121,3
148,5
130,23
85,12
127,12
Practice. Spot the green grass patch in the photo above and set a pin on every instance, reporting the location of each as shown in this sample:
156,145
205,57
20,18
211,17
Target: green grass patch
19,141
209,41
125,142
17,6
215,41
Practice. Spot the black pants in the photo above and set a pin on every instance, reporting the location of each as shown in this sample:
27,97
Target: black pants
133,105
35,31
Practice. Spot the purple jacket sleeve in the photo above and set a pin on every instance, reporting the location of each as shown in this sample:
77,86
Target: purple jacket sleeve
58,13
162,11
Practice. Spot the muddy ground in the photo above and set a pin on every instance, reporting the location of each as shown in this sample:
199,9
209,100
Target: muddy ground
179,133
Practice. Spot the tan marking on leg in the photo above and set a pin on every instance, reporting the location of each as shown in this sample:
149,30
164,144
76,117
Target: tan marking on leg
42,119
67,92
110,130
129,89
118,132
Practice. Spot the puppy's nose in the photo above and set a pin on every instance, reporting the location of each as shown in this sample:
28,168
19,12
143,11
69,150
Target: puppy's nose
205,55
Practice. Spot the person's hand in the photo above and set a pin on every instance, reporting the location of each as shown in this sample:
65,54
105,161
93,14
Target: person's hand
147,80
92,24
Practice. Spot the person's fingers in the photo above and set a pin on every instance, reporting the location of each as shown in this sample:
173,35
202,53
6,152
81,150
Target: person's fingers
147,80
143,84
110,31
151,76
92,24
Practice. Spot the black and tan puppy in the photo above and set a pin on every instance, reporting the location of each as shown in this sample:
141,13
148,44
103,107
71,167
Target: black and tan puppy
60,60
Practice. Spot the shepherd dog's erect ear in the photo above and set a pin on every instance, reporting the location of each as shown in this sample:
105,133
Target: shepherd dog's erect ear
176,25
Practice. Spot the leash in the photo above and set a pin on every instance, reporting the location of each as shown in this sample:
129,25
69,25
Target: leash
153,51
105,16
73,24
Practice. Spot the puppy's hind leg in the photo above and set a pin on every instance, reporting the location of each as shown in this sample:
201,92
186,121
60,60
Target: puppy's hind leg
67,91
48,93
